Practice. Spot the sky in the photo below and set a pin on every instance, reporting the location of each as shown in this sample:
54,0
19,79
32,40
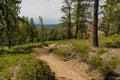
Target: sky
50,10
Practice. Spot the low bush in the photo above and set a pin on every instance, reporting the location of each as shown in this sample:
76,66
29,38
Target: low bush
101,51
70,47
63,50
20,63
24,67
113,44
21,49
83,56
96,61
34,69
9,61
106,68
110,41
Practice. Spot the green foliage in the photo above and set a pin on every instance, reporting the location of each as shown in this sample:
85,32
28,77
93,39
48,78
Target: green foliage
83,56
79,13
15,64
9,20
93,56
113,44
42,31
34,69
9,61
110,23
69,47
27,30
81,47
46,43
108,67
101,51
105,67
52,34
19,49
24,49
110,42
63,49
96,61
75,15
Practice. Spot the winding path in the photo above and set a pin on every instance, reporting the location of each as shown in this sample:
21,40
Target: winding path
69,70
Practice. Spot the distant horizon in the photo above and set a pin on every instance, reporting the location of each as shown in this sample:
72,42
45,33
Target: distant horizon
47,24
50,12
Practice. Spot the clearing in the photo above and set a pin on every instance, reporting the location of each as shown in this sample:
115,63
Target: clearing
65,70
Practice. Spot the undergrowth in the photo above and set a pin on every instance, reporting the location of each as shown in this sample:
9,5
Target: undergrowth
20,63
91,55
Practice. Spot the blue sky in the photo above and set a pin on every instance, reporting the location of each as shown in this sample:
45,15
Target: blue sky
50,10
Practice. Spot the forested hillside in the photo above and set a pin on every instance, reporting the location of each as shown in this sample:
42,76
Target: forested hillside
87,39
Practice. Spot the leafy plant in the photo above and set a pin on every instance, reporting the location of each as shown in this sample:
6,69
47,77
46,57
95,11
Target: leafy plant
113,44
101,51
106,68
20,63
83,56
109,66
96,61
34,69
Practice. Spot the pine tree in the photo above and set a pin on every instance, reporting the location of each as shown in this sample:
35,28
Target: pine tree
79,14
10,10
42,32
66,19
110,22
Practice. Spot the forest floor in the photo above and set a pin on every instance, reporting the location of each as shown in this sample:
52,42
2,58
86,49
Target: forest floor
65,70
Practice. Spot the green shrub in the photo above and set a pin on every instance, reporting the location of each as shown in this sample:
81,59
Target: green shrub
101,51
108,67
113,44
7,62
62,53
2,51
83,56
44,44
28,67
96,61
6,74
34,69
110,41
69,47
21,49
81,48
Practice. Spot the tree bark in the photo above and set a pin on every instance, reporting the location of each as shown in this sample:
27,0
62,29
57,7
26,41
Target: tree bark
69,24
118,32
69,18
107,31
78,17
95,27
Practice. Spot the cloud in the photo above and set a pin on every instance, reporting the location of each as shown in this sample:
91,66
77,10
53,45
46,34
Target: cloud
50,10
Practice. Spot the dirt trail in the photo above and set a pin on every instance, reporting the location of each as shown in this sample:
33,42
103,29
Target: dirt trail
69,70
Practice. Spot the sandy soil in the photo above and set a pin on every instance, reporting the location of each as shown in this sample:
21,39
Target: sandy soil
69,70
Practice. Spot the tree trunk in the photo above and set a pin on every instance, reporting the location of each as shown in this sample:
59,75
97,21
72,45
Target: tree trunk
118,32
95,27
69,18
78,17
107,31
69,24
